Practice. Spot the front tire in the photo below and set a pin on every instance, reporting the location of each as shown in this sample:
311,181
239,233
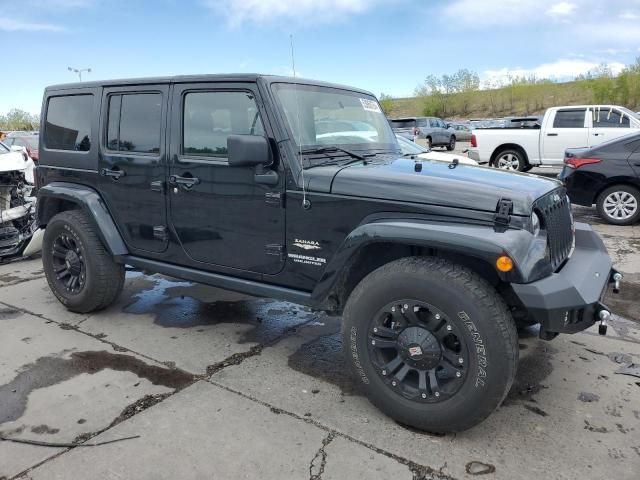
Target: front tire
429,143
80,271
433,343
619,205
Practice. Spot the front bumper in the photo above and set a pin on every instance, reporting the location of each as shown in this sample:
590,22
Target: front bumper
569,300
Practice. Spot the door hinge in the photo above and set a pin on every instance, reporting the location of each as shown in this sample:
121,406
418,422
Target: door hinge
157,186
275,249
273,199
160,233
505,208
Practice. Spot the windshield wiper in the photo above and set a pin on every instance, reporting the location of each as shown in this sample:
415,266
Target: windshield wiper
333,149
342,163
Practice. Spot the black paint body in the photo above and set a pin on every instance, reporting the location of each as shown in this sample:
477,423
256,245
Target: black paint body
233,231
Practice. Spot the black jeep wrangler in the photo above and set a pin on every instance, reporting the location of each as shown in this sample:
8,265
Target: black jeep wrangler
297,190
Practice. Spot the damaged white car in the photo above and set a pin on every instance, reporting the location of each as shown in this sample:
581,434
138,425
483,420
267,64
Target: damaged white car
19,233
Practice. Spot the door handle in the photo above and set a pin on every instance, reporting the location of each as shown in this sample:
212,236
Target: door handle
596,134
552,134
186,182
115,174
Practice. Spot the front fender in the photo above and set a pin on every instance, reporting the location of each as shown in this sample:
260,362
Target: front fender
479,241
55,194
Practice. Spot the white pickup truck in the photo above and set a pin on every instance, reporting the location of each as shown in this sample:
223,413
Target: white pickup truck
521,147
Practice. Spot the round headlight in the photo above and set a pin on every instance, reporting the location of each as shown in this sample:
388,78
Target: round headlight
535,222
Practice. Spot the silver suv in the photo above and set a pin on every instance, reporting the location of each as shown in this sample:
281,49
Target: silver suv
432,129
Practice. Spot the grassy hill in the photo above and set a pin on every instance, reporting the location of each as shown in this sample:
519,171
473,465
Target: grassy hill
518,99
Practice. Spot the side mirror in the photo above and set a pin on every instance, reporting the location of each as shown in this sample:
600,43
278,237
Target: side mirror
248,150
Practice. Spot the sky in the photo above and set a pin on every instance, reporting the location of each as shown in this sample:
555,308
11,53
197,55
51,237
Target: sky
382,46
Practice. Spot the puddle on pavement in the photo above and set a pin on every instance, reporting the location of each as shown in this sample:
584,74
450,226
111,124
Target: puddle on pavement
47,371
178,304
533,369
323,358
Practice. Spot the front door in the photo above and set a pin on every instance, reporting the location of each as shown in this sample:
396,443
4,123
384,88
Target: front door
133,162
568,129
221,215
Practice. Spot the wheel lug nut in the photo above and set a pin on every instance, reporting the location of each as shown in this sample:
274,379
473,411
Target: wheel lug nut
437,394
384,372
437,316
406,307
375,329
424,395
460,360
458,374
394,383
449,328
373,342
393,309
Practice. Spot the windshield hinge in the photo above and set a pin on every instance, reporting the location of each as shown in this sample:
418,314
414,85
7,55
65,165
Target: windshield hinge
504,210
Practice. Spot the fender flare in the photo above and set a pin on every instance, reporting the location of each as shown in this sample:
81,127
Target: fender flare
89,201
478,241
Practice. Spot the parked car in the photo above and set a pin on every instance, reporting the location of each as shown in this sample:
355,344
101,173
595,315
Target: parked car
431,129
24,139
562,127
430,268
413,149
18,228
462,132
608,176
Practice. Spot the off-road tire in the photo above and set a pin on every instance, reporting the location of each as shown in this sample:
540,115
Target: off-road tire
478,312
619,221
104,278
452,143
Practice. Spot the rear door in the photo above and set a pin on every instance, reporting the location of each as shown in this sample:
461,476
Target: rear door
607,123
567,129
132,163
221,214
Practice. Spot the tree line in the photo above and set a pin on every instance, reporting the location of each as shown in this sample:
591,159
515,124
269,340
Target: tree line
463,94
17,119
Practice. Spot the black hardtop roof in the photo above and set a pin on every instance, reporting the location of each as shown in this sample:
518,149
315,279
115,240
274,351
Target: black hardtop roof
223,77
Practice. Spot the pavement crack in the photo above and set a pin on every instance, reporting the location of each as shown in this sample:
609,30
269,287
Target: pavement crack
420,472
316,470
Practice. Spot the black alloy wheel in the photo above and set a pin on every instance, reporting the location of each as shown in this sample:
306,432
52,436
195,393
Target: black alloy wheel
68,264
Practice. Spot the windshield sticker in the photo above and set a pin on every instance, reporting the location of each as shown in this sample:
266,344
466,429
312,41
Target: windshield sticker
370,105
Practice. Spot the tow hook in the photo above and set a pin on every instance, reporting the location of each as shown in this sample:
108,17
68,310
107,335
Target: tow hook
616,282
604,315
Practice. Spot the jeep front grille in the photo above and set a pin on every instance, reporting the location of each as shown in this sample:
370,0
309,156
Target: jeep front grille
555,211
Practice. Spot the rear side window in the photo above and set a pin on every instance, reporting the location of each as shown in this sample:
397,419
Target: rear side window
210,117
569,118
134,122
610,118
68,123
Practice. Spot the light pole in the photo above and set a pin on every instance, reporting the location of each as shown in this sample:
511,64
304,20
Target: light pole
79,71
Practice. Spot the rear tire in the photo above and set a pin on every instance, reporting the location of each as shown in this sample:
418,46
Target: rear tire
80,271
475,351
452,143
429,142
619,205
512,160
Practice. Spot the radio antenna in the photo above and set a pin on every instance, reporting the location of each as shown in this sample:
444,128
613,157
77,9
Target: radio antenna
306,204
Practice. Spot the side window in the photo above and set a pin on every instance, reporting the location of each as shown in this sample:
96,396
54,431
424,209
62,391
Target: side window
423,122
610,118
210,117
68,123
134,122
569,118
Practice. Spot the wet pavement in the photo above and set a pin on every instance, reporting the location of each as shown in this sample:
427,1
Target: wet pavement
189,381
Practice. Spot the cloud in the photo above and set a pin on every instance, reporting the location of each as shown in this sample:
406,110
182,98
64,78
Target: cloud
10,25
564,69
263,11
630,16
561,9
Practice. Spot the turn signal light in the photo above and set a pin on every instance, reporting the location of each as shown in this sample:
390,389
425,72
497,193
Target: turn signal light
504,264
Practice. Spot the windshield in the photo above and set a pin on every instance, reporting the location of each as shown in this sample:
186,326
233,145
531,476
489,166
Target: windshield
322,116
31,142
4,148
410,148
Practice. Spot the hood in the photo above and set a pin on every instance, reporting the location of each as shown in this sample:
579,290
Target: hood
468,187
12,161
